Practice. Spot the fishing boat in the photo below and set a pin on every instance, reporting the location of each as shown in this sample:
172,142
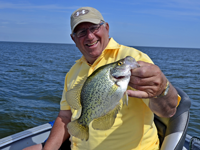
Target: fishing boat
172,131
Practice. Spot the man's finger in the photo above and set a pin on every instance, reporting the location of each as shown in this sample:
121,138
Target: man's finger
137,94
143,81
146,70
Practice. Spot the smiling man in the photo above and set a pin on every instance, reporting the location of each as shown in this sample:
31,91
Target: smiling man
92,45
149,91
90,37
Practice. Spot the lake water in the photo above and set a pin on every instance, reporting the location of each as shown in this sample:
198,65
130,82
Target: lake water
32,79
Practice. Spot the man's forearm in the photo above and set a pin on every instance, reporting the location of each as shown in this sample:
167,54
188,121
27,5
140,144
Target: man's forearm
59,132
165,106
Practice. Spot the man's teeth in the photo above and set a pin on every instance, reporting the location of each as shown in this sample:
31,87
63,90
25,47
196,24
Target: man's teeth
92,43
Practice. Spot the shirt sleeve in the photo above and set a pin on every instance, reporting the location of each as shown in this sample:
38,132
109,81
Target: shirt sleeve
63,103
179,99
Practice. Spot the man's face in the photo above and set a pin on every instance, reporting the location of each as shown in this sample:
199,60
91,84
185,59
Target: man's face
92,44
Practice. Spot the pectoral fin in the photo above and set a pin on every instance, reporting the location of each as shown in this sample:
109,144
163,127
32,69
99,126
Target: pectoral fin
105,122
125,99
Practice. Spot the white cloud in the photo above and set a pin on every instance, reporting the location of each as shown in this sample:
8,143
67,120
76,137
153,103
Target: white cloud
6,5
4,22
21,23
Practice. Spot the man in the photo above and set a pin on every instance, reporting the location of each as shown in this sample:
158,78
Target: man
149,91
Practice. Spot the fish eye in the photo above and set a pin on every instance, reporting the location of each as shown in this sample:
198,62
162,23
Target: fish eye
120,63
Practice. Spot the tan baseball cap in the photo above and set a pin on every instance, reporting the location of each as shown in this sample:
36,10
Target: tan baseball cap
85,14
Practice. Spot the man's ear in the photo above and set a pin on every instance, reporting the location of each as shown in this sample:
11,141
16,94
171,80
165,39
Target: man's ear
72,37
107,26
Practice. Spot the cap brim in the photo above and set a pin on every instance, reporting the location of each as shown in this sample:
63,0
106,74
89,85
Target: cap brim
95,21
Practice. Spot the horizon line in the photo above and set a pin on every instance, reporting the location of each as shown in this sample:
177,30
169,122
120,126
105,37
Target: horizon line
120,44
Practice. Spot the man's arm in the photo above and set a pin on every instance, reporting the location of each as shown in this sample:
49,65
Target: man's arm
165,106
59,132
150,82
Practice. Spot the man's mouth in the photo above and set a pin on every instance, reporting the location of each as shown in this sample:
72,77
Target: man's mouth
92,43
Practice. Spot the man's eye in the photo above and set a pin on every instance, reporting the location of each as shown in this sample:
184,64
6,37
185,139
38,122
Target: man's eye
93,28
81,32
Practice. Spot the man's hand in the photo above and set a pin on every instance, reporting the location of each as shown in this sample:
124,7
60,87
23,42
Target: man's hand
150,82
148,79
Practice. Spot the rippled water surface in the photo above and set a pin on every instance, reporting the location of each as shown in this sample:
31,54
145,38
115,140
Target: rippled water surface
32,78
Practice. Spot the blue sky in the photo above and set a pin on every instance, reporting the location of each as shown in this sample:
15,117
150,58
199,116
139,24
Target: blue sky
170,23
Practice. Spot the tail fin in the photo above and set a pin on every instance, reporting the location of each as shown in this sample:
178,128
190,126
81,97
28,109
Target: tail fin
78,130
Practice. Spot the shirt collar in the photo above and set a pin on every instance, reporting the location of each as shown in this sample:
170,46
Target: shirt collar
112,44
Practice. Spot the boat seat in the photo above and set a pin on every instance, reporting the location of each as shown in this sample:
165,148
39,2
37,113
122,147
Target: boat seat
172,131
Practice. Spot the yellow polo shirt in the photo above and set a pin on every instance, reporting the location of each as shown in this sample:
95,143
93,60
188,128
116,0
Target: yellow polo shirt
134,128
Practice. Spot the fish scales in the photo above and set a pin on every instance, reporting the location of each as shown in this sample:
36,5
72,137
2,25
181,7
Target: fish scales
97,96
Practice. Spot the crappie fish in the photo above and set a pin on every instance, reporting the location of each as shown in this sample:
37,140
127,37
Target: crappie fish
97,99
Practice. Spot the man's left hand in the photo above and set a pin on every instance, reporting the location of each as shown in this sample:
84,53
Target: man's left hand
148,80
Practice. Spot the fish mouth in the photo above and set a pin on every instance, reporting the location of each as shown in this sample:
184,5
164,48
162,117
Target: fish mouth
119,77
123,75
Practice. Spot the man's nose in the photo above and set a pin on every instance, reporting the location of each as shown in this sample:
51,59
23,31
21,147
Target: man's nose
90,34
